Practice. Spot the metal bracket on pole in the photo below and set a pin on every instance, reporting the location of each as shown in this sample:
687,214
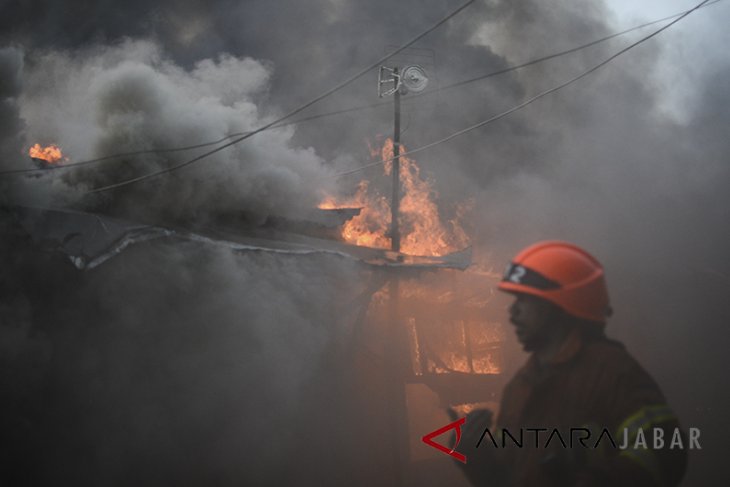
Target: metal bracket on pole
412,79
392,77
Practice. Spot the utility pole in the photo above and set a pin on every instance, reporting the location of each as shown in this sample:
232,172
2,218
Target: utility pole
412,79
395,199
396,394
396,350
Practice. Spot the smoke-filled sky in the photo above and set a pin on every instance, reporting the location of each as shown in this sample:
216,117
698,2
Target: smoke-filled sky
630,162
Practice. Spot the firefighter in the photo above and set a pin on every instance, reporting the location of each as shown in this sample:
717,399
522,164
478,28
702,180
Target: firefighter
576,382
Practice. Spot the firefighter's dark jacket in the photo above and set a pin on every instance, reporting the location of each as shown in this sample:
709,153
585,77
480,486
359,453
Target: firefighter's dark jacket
591,383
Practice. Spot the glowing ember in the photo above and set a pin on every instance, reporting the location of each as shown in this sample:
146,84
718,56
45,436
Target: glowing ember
464,409
51,154
422,230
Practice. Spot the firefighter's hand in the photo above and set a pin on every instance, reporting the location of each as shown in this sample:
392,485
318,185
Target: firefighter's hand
476,424
481,467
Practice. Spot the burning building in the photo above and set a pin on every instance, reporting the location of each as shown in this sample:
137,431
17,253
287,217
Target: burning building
403,336
210,327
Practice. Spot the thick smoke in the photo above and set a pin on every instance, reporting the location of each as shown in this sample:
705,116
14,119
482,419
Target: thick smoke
603,163
223,379
130,97
11,125
174,363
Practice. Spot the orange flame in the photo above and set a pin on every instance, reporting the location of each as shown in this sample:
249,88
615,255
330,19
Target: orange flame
51,154
447,330
421,227
368,228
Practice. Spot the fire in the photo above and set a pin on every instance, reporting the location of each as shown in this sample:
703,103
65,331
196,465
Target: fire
446,319
369,228
51,154
446,329
422,230
447,332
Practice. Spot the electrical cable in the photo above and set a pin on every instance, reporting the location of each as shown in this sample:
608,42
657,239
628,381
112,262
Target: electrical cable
351,109
528,101
288,115
558,54
180,149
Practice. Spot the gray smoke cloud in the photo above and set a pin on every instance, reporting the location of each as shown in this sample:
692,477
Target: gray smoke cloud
130,97
602,163
11,125
222,380
174,363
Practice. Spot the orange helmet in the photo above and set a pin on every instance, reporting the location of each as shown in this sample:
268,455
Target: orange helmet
563,274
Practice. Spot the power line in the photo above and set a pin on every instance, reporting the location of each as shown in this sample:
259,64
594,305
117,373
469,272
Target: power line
180,149
290,114
558,54
351,109
528,101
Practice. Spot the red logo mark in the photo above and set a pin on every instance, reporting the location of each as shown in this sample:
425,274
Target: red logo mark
455,425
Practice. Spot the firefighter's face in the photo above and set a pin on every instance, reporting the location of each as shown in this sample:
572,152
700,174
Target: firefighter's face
533,319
